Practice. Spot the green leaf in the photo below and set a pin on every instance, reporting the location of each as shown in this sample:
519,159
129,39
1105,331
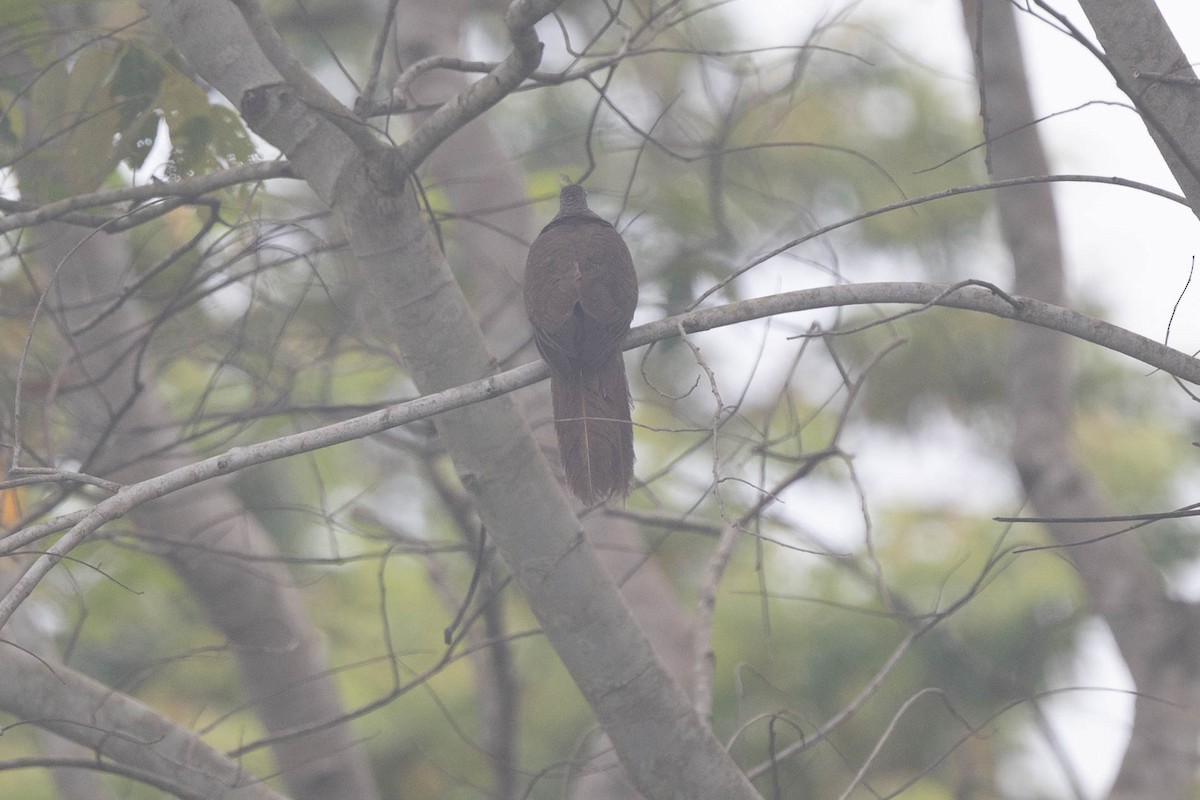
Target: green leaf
137,75
12,120
25,15
204,136
136,84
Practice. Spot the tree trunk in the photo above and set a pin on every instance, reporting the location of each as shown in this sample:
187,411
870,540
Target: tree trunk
1151,68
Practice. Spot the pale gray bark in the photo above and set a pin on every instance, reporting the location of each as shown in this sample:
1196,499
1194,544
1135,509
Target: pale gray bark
119,728
1154,72
84,720
25,639
1157,637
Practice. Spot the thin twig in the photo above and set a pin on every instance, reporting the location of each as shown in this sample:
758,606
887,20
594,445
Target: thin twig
487,91
23,214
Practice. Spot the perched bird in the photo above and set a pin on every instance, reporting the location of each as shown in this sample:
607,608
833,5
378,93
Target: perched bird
580,293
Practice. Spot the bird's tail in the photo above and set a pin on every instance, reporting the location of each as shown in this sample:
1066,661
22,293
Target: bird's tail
595,435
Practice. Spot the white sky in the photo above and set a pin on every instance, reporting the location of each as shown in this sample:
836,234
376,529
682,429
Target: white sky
1131,253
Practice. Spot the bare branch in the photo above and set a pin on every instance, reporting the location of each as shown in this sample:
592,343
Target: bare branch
154,748
23,214
942,195
486,92
385,34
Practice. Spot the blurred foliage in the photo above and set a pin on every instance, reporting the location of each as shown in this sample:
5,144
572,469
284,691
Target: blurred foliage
100,105
708,158
949,360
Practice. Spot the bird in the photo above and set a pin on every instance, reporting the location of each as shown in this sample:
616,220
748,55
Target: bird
581,290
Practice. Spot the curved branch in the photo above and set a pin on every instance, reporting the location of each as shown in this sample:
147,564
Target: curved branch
971,296
487,91
149,747
96,765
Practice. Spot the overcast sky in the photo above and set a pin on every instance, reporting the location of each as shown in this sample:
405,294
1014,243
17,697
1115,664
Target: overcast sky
1129,252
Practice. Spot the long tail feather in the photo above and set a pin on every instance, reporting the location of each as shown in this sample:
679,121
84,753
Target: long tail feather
595,435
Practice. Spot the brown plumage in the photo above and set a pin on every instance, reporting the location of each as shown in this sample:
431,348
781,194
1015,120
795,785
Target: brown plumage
580,293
